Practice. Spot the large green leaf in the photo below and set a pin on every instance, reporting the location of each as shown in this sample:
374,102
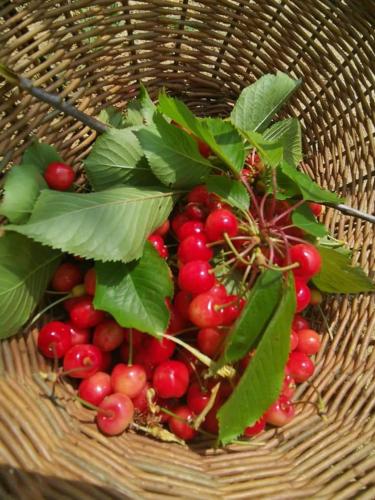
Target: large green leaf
25,270
271,153
134,293
261,382
173,155
40,155
220,135
287,133
259,102
22,187
338,275
113,117
110,225
303,218
232,191
260,306
117,158
307,187
143,105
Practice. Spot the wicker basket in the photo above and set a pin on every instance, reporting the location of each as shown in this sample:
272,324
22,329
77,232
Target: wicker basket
95,53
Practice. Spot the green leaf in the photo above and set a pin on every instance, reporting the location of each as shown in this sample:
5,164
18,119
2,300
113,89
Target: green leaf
113,117
141,110
110,225
261,382
338,275
231,191
40,155
173,155
271,153
134,294
117,158
308,188
259,102
260,306
220,135
25,270
23,184
303,218
230,277
287,133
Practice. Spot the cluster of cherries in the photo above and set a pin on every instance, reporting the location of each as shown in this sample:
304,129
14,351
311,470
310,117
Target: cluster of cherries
129,376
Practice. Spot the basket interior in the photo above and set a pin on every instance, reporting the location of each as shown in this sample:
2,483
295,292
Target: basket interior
95,54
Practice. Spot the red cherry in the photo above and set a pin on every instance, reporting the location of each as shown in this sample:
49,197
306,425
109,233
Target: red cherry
289,386
84,315
79,335
195,277
108,335
219,222
198,195
302,294
178,220
179,425
197,398
300,366
163,229
171,379
59,176
309,341
157,351
195,211
176,322
293,340
190,361
95,388
141,358
106,361
128,379
158,243
204,311
316,208
90,281
189,228
280,413
194,248
54,339
218,291
66,277
232,311
83,360
256,428
209,341
300,323
308,258
211,423
115,414
181,304
204,148
69,303
167,404
140,401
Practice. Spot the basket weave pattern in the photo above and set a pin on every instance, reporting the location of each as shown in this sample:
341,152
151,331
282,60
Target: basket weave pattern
94,54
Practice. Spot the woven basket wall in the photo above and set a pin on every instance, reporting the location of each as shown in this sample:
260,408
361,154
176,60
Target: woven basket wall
95,53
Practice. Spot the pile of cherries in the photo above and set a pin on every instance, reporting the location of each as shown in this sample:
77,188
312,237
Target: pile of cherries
129,376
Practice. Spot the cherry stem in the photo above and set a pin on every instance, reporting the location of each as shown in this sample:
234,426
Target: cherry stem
286,212
200,418
294,238
130,356
90,406
252,195
262,205
234,249
202,357
282,269
220,242
47,308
